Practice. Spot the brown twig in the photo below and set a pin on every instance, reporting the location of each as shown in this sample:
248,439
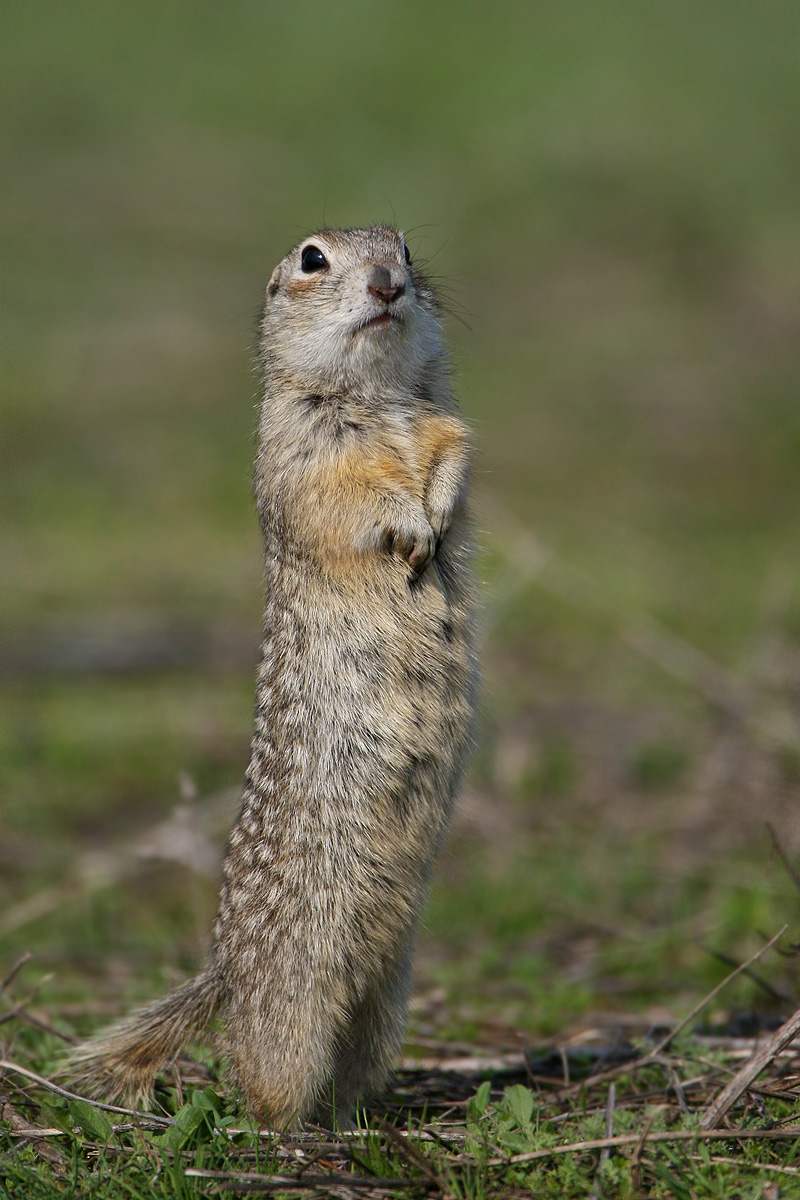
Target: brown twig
753,1166
653,1056
19,1007
413,1155
21,1128
636,1158
632,1139
751,1069
46,1027
677,1087
698,1008
728,961
59,1091
17,967
605,1153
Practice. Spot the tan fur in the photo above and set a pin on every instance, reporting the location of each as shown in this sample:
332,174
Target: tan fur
364,697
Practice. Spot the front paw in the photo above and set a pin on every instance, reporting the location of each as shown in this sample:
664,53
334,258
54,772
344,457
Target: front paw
415,542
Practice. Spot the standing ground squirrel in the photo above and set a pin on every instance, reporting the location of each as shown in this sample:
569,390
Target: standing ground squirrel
364,700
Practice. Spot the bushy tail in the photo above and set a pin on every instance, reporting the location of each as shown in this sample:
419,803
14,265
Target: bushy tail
120,1064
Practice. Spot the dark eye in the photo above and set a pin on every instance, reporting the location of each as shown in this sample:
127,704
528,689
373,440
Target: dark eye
312,259
407,253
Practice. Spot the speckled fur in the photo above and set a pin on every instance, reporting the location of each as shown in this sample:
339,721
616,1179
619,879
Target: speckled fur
364,698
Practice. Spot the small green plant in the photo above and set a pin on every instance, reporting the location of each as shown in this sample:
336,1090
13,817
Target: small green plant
511,1124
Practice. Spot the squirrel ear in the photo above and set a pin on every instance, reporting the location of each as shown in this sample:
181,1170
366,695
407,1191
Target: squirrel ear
274,281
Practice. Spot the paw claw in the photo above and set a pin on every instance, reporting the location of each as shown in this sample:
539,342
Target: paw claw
416,545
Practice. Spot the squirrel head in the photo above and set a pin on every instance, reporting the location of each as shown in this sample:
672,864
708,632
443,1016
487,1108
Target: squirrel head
348,309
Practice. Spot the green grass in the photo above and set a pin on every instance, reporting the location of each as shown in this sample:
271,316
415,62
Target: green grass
607,195
515,1140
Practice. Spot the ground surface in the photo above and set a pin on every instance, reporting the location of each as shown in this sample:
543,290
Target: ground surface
608,199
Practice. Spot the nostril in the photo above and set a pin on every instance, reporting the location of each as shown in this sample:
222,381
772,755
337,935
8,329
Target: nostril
386,294
382,286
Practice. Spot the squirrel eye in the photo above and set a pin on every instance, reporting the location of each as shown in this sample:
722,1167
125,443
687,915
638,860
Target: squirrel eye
312,259
407,253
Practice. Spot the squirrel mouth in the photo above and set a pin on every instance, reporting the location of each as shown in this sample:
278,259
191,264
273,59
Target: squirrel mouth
380,320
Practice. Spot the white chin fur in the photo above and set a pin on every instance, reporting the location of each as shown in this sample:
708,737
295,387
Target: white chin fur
340,353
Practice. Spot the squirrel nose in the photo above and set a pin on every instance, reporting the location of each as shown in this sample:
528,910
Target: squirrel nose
379,285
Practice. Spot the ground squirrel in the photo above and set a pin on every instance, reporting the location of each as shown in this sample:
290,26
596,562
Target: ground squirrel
364,695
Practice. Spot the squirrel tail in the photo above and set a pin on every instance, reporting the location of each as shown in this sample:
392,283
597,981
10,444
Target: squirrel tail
120,1064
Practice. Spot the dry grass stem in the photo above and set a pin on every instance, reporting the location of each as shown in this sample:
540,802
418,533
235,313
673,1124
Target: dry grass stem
698,1008
59,1091
774,1168
17,967
633,1139
751,1070
605,1153
20,1128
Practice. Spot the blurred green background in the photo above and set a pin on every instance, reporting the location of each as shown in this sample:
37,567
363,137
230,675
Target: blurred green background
607,194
